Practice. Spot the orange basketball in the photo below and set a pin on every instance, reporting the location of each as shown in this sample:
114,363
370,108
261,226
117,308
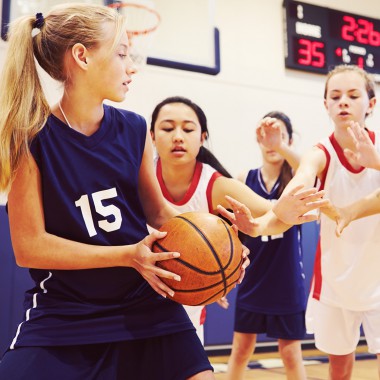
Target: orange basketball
210,260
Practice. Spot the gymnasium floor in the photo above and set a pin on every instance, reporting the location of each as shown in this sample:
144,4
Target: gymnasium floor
365,367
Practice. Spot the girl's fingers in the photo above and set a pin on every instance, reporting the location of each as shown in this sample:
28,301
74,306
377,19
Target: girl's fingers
307,218
162,289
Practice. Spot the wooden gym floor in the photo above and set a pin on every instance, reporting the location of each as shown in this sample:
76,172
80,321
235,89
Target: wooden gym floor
365,367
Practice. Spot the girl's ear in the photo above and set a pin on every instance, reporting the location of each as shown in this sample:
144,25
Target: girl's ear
80,55
152,135
372,103
203,137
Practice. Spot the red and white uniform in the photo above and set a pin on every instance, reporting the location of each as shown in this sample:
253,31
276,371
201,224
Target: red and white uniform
197,198
346,272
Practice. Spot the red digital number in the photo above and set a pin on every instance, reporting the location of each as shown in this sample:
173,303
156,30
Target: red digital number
374,38
365,28
348,30
311,53
361,31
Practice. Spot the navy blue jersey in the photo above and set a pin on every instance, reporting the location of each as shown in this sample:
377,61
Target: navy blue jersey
90,195
274,282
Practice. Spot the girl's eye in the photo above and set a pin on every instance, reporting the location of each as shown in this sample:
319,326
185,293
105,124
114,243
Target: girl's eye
122,55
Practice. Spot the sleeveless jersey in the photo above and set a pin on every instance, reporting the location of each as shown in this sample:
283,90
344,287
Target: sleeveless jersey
197,198
90,195
346,271
199,195
274,282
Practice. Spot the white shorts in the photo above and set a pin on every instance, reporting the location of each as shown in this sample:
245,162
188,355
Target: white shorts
337,331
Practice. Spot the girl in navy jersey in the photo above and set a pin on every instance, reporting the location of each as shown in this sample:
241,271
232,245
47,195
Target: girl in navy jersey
345,293
192,179
271,299
81,191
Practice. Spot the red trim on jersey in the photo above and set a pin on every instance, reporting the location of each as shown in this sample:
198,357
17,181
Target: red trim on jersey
190,191
209,190
342,158
317,276
324,172
203,316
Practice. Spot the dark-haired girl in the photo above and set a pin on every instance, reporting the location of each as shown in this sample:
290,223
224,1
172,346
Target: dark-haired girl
192,179
272,298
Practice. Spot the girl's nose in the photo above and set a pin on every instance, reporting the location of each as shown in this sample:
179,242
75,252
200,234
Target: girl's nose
131,66
343,100
178,135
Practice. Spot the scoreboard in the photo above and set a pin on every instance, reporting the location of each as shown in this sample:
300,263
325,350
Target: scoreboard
319,38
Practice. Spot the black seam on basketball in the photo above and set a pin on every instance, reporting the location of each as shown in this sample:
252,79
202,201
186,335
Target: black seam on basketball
185,263
210,246
215,294
226,286
231,244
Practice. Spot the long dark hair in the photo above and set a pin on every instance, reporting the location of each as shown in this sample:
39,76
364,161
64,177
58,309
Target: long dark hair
204,154
286,172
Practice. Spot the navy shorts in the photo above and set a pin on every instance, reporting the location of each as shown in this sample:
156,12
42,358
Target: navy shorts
169,357
286,326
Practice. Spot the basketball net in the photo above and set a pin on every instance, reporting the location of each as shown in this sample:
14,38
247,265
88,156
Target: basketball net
142,21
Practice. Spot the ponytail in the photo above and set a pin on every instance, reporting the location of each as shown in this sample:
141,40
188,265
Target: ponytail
206,157
24,108
286,174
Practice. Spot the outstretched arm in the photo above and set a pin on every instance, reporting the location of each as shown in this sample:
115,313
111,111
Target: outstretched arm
298,203
343,216
269,134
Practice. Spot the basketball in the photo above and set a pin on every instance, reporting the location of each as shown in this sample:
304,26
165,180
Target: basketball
210,261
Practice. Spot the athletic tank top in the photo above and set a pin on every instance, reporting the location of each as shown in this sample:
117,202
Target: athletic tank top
346,271
197,198
199,195
274,282
90,195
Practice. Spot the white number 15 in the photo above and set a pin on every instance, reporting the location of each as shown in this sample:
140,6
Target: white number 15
84,204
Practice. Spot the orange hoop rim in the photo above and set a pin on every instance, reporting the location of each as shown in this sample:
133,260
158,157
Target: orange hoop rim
139,6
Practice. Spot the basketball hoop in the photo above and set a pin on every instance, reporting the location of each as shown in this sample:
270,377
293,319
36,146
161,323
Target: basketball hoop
142,22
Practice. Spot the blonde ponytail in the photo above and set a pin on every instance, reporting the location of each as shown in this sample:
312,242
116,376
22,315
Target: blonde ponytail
23,106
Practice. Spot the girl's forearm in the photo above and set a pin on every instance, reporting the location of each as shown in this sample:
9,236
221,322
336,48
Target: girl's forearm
52,252
366,206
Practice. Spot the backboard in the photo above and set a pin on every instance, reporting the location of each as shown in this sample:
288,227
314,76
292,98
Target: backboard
186,39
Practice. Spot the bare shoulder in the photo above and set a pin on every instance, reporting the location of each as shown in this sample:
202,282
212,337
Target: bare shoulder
314,158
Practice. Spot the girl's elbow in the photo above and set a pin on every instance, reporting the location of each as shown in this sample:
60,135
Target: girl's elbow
22,256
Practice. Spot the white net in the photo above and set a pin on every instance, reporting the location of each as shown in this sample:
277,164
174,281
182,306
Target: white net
142,21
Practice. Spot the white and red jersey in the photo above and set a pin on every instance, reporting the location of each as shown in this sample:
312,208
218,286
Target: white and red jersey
346,271
197,198
199,195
